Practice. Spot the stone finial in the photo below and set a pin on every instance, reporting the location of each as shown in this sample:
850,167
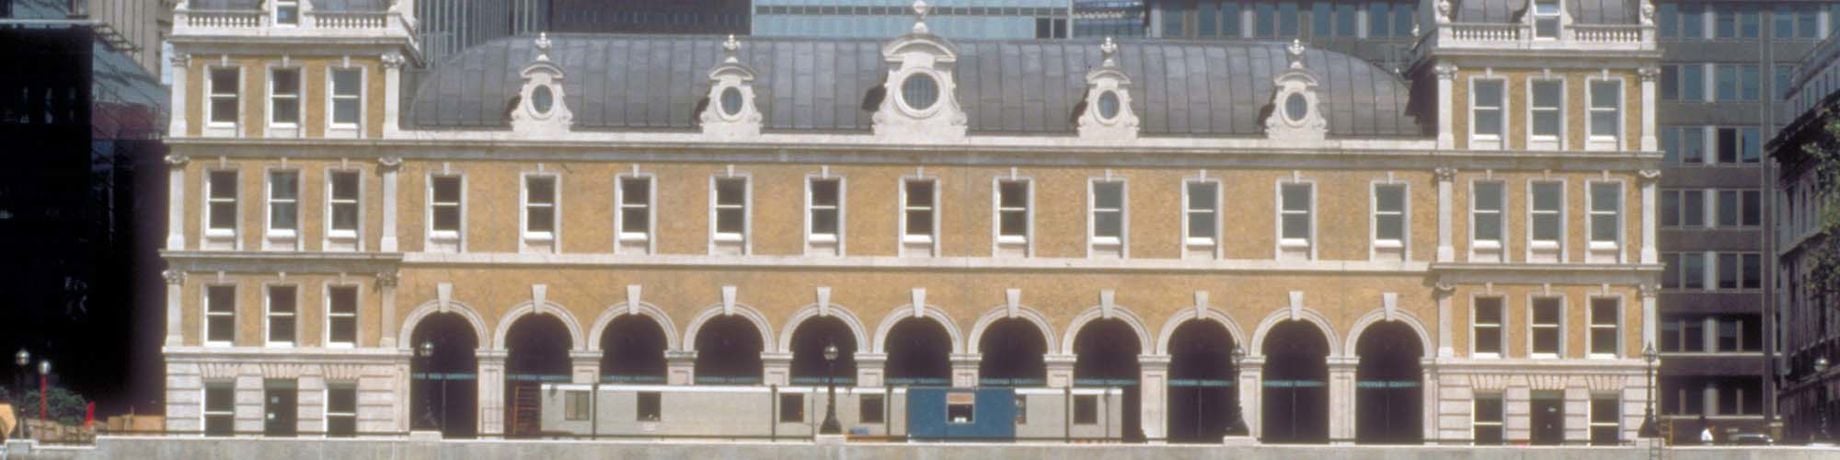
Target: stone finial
1296,50
920,9
1443,11
1648,13
543,47
730,48
1108,49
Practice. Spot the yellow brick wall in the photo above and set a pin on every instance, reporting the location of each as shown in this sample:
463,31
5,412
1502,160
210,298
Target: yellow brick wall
1519,100
315,81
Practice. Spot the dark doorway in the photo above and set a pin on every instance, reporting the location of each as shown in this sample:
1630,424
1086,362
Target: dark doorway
632,351
808,342
1201,382
280,408
444,376
919,353
1389,404
1012,351
1105,355
728,352
1296,400
537,352
1548,418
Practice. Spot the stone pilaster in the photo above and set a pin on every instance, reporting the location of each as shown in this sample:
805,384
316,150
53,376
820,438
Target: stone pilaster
1650,242
965,369
871,369
584,366
175,200
1251,378
680,367
177,124
389,166
776,368
1446,347
392,94
175,307
386,295
1060,370
491,393
1153,396
1446,196
1342,398
1446,86
1648,76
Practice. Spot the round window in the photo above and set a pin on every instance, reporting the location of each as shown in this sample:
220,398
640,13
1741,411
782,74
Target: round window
920,92
1295,107
731,101
1108,105
541,99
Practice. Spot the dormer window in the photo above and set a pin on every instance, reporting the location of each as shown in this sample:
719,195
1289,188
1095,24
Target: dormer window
1296,107
918,102
287,12
919,92
542,100
541,104
1108,105
730,111
731,102
1546,19
1106,112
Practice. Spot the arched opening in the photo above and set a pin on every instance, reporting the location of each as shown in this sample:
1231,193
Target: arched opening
728,352
1201,382
919,353
537,352
1296,391
444,376
808,364
1388,399
632,351
1105,355
1012,350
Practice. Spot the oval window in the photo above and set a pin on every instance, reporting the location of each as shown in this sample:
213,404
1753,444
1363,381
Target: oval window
541,99
1108,105
1295,107
920,92
731,101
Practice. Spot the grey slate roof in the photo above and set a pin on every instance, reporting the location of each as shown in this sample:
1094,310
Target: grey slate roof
1582,11
318,5
632,82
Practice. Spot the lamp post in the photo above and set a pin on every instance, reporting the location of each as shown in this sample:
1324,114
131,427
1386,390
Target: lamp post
44,386
24,360
424,352
1820,435
1238,425
1649,430
830,425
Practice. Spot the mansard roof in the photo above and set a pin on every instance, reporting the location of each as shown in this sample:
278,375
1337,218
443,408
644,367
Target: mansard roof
1582,11
318,5
1030,87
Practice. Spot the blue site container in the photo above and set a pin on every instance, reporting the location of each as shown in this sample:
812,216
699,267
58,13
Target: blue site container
931,414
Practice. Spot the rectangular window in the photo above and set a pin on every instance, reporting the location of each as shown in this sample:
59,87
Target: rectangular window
539,207
219,408
1753,271
342,315
1692,270
1085,409
281,313
731,202
1486,108
791,408
1606,110
1606,414
650,407
287,12
1693,336
1670,270
343,197
1738,208
635,211
869,408
575,405
283,204
226,87
1692,82
1693,208
1548,112
919,215
1782,22
1606,324
1389,216
825,195
284,97
341,410
1013,216
220,315
1295,217
1782,77
1547,329
960,410
1487,224
1548,216
1488,417
347,97
1670,82
1201,209
1606,214
444,207
1546,19
1692,21
1108,217
1486,321
220,204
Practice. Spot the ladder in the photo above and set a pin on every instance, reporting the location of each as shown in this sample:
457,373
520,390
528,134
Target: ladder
526,415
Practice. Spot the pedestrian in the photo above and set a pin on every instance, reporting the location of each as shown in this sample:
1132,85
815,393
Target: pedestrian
1705,431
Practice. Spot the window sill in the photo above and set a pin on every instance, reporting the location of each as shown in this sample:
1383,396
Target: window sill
539,237
815,238
917,239
727,238
1012,240
219,344
280,345
1389,244
341,345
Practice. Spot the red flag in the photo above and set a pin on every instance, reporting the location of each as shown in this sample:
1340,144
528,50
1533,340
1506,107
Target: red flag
89,414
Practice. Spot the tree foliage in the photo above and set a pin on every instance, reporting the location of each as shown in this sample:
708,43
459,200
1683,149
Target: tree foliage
1823,163
65,406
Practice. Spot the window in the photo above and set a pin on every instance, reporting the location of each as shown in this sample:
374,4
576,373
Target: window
1546,19
1606,111
1606,321
219,408
1683,82
961,408
226,86
791,408
1606,415
1606,214
730,215
1739,270
1487,226
284,97
1013,200
650,407
1739,208
1201,217
1692,208
283,205
635,214
918,216
1488,416
1548,113
575,405
1692,270
1487,106
1295,219
870,409
1022,409
825,195
342,410
444,211
347,98
1736,21
343,194
342,315
1547,329
219,315
1085,409
1390,218
1108,220
1753,271
1736,82
1782,77
287,12
220,205
1547,216
1685,145
540,208
1486,337
1738,145
281,311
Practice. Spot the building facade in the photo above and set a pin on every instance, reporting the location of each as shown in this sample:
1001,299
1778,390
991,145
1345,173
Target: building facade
1399,258
1805,309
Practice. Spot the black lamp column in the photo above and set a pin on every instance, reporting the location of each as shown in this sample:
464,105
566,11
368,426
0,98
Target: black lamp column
24,360
1238,426
830,425
1820,434
1649,430
425,353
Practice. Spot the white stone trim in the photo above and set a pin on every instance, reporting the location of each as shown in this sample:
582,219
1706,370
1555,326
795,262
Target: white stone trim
1378,315
405,342
1306,314
932,312
1214,245
1182,317
620,237
430,236
576,339
840,312
1023,312
645,309
764,327
1098,312
529,242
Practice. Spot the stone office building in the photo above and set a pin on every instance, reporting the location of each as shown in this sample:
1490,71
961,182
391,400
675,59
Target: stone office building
1462,254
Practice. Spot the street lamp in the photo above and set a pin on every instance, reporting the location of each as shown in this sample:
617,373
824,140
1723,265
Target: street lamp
1238,425
425,353
1820,436
24,360
44,386
830,425
1649,430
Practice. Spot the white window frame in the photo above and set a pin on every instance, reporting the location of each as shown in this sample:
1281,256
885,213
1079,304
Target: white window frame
457,236
1591,327
1209,244
222,128
274,13
333,127
1501,419
1499,246
204,403
269,315
1591,423
1501,328
278,128
1533,325
909,242
1558,29
1404,243
1534,244
620,235
1536,141
741,239
1600,141
1096,243
218,238
1026,242
357,299
1591,212
1307,246
353,415
205,325
276,238
1488,141
347,238
814,242
536,241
